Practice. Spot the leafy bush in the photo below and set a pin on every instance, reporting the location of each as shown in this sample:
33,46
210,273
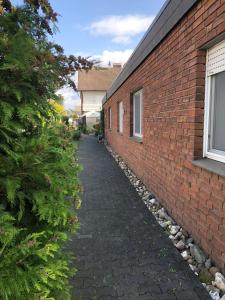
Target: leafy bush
98,129
77,135
102,122
36,216
97,126
65,119
90,130
85,130
39,184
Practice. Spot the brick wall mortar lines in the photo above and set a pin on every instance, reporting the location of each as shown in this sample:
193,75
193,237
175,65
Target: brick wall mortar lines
173,81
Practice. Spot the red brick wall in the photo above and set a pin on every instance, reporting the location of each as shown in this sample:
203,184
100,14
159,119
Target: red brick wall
173,84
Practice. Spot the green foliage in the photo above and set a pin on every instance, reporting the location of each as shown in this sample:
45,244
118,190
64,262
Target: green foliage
39,185
102,123
77,135
98,129
85,130
65,119
39,191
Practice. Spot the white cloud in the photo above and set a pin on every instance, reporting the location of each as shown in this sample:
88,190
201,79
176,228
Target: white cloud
121,28
113,57
121,40
71,98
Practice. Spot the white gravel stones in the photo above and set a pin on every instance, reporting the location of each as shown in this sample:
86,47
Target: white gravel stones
190,261
162,213
213,270
179,236
145,198
181,239
174,229
186,255
193,268
154,202
165,224
213,292
214,295
219,281
190,240
180,245
198,254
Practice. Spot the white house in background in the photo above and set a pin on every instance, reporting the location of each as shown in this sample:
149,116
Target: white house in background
92,86
92,118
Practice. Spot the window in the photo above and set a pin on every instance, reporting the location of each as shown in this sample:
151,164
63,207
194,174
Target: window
120,116
137,114
214,134
110,118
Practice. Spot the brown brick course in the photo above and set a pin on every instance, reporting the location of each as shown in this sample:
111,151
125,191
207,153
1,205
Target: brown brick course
173,82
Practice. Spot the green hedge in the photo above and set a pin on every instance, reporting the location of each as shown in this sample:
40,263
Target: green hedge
39,185
38,178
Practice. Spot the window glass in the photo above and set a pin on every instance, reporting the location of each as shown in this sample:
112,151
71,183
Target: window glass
137,115
110,118
218,112
214,129
121,117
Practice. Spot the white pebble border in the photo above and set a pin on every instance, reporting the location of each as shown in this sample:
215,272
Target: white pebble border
198,261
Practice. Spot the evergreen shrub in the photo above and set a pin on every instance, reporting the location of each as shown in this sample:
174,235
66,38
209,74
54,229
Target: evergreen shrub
39,185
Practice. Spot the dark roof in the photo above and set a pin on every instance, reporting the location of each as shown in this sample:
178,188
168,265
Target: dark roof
170,14
97,79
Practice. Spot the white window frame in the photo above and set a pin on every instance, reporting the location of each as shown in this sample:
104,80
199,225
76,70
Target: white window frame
136,134
120,116
110,118
207,152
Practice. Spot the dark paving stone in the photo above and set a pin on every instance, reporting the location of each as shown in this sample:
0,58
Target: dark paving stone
122,253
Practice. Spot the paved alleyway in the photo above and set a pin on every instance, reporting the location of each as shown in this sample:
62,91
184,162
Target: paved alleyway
122,253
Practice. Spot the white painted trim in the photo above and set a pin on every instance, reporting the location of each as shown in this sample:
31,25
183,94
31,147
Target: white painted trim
206,114
141,112
215,156
135,134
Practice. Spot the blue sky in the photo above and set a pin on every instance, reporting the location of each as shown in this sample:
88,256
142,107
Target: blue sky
77,17
107,30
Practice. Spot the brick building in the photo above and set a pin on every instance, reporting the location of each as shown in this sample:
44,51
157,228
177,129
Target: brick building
165,116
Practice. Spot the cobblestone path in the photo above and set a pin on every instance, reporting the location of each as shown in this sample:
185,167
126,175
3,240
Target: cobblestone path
122,253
